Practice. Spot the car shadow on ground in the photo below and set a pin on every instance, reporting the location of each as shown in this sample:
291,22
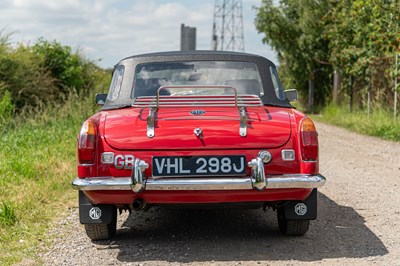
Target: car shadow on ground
244,235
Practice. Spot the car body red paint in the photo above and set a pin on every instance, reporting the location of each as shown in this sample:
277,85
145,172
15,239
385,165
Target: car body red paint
129,133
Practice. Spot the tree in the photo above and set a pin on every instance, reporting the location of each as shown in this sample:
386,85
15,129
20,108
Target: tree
364,37
295,30
359,38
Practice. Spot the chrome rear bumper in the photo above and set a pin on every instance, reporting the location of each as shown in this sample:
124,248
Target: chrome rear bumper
272,182
258,181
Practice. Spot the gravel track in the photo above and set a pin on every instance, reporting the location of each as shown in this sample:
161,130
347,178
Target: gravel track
358,221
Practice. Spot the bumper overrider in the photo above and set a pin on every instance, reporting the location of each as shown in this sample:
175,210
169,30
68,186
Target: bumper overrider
257,180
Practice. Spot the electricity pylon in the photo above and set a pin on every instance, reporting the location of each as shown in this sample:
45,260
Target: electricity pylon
227,32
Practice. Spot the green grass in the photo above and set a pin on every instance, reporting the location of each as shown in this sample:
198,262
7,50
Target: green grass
7,214
37,165
378,123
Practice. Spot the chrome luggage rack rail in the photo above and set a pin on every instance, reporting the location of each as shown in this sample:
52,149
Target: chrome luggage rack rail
239,101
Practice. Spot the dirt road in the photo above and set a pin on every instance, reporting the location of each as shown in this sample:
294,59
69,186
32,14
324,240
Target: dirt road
358,221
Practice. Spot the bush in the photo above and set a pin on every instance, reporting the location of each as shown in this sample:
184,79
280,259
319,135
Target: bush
65,66
27,81
47,72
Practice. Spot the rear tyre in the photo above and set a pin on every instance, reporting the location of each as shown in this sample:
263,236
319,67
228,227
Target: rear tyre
102,231
292,227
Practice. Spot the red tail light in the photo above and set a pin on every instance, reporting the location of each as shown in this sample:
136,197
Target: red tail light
309,140
86,143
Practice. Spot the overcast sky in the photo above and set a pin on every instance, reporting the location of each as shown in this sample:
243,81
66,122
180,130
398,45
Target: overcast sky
113,29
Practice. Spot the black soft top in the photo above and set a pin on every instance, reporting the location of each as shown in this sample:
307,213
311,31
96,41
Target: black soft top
197,55
264,66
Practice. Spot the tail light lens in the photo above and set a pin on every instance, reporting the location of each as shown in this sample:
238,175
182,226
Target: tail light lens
86,143
309,140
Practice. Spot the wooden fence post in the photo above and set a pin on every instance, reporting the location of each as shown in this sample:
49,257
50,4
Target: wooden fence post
337,81
351,94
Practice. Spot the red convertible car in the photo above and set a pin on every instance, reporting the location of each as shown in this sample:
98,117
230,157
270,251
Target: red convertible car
193,129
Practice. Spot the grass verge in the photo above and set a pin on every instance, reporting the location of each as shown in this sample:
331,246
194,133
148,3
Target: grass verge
379,123
37,165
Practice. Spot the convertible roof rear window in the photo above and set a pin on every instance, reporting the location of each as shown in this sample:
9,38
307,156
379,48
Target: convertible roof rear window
243,76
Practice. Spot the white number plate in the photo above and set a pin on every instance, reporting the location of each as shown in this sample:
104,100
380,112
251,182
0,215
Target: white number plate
199,165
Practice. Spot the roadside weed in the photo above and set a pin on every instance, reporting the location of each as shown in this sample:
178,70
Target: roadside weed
7,214
378,123
37,165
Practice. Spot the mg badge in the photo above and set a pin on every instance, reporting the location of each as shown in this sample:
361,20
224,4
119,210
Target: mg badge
197,112
95,213
300,209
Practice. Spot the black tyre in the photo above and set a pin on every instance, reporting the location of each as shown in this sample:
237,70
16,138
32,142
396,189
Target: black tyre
291,227
102,231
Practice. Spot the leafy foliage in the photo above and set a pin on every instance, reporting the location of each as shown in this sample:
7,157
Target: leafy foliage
67,67
358,38
295,30
361,32
22,76
47,72
364,38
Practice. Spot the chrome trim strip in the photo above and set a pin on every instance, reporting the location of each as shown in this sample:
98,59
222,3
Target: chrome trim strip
199,184
102,183
245,183
295,181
